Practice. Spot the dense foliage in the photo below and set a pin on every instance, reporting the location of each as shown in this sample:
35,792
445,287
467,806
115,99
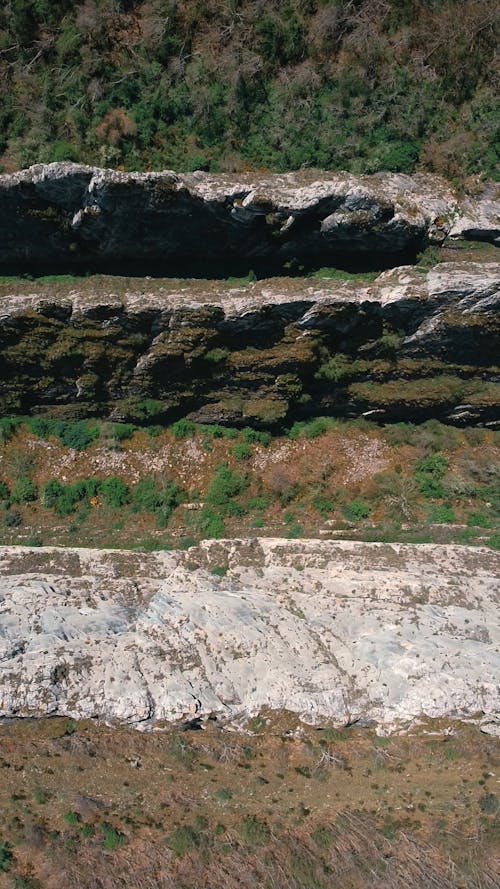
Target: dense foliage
362,85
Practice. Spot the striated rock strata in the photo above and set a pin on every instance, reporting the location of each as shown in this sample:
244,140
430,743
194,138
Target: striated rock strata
409,345
68,215
329,630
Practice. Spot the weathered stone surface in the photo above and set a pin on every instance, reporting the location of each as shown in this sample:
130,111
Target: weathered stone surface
409,345
67,214
339,630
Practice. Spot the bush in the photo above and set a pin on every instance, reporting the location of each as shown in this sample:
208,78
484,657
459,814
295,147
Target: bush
8,426
158,497
114,492
183,839
254,831
429,472
24,490
323,505
242,450
441,514
5,857
78,435
113,839
356,510
216,356
183,429
311,429
224,486
50,493
65,498
254,436
210,523
337,368
478,520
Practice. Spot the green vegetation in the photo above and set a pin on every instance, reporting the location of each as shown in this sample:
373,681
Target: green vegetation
5,857
446,491
112,838
159,496
162,84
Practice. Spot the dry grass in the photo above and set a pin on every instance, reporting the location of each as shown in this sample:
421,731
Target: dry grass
388,813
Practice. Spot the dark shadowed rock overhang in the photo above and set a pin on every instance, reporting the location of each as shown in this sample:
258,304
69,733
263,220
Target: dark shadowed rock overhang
65,216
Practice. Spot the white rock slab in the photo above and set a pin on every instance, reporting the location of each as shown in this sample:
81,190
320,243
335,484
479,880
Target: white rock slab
328,630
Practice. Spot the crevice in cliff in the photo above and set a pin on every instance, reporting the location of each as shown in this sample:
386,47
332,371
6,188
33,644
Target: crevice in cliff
351,260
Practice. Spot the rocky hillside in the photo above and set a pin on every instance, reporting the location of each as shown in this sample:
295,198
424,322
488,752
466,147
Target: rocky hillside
349,632
362,85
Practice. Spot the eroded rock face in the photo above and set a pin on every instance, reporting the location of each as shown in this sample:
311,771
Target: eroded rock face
410,345
66,215
338,630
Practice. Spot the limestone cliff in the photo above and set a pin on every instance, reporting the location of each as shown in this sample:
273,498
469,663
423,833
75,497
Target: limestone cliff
409,345
65,215
351,632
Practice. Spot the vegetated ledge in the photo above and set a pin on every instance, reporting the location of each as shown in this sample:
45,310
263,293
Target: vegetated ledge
64,216
344,631
410,345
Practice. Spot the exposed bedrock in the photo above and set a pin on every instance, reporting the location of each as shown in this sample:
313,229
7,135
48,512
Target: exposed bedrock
63,215
410,345
346,631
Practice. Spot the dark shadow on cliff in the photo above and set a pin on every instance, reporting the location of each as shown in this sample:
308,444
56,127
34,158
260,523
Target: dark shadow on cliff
218,268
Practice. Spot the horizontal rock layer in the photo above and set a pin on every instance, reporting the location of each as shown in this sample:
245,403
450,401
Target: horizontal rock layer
328,630
409,345
66,215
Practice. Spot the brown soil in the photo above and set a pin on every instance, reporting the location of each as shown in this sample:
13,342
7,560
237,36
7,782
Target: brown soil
312,789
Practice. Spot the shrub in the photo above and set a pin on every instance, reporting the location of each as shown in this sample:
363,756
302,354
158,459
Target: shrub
323,837
114,492
148,408
242,450
356,510
219,570
254,436
441,514
158,497
323,505
50,493
478,520
216,356
210,523
65,498
337,368
224,486
24,490
77,435
183,429
183,839
429,472
254,831
5,857
311,429
489,803
113,839
8,426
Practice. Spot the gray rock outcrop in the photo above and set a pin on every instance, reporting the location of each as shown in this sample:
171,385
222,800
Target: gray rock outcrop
65,214
410,345
329,630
